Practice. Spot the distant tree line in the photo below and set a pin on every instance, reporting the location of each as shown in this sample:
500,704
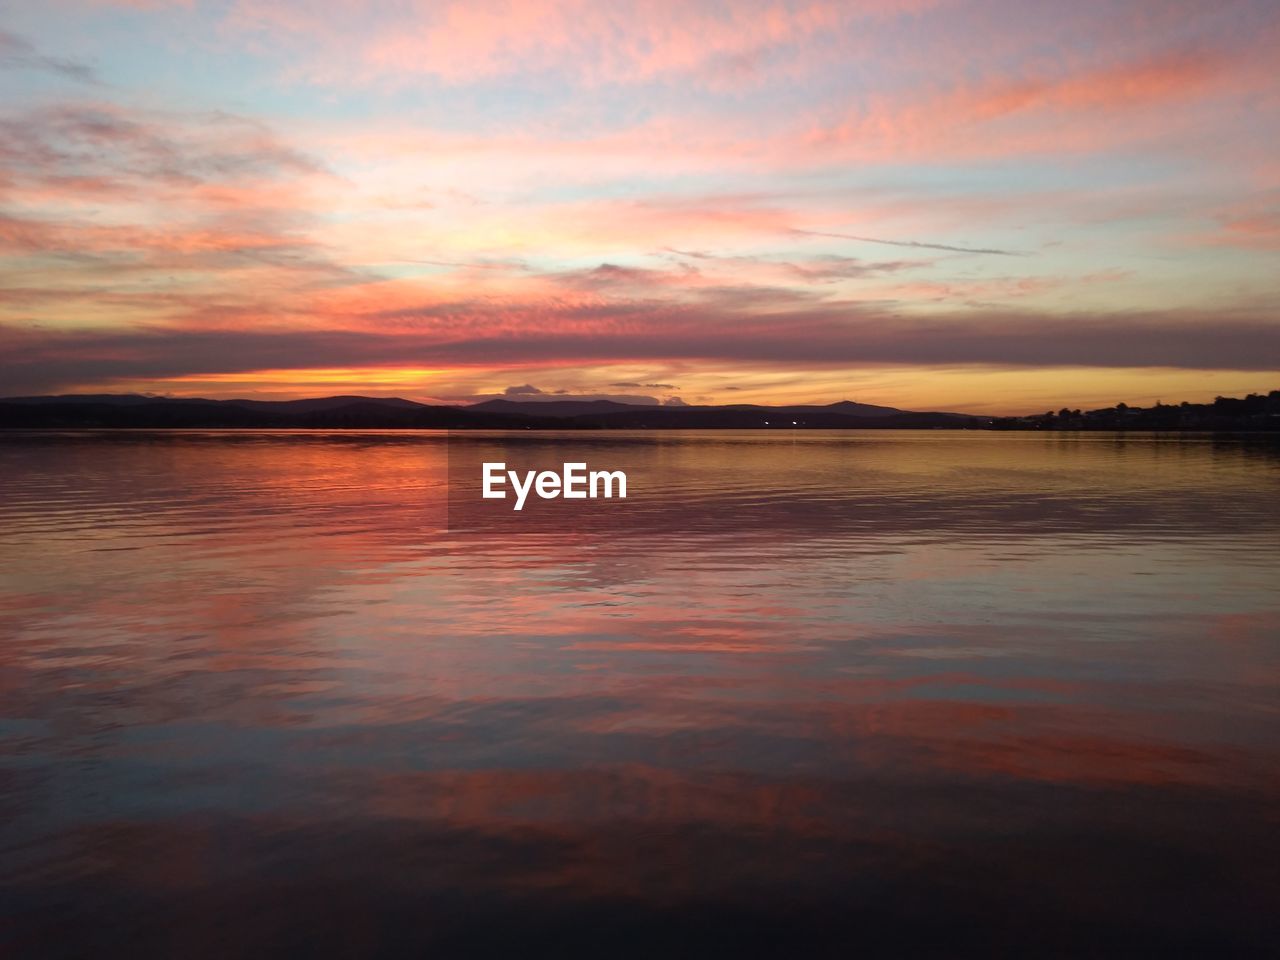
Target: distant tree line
1255,412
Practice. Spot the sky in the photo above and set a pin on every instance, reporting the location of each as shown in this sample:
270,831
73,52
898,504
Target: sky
932,204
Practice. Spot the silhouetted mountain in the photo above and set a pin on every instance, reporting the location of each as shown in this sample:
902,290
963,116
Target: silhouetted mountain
372,413
861,409
761,418
846,407
596,408
115,399
328,412
376,415
324,403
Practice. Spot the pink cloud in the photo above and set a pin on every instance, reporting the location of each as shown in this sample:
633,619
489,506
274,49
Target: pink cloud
1057,112
598,43
1257,228
694,189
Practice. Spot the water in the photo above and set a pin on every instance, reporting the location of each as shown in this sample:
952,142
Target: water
271,694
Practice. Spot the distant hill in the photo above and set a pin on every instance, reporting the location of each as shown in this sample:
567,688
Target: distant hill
367,413
599,408
861,409
1256,412
324,403
355,412
116,399
746,417
846,408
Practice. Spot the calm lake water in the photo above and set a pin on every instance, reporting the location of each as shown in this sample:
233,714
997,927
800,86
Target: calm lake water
801,694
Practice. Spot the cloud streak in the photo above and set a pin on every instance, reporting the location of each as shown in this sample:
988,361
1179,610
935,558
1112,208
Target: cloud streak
817,336
916,244
18,53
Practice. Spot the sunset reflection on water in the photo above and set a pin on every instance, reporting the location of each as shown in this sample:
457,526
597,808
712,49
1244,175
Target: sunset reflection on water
802,691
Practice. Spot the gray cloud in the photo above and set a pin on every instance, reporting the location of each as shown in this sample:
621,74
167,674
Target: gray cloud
914,244
18,53
94,150
101,157
824,268
824,334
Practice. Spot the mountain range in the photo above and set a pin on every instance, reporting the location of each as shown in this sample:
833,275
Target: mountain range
355,412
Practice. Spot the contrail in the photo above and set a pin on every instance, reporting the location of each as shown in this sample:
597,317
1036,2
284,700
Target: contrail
911,243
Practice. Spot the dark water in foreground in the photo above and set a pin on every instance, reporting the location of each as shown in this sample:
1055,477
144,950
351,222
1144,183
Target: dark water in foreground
824,695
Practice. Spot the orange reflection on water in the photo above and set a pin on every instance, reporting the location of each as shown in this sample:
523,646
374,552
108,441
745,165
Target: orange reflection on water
797,671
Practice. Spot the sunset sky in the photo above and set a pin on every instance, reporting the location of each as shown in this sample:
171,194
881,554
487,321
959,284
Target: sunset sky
933,204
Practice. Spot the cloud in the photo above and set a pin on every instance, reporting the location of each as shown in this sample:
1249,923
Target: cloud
142,215
823,268
1072,105
526,389
646,192
93,149
594,44
1114,82
807,334
18,53
910,243
610,275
